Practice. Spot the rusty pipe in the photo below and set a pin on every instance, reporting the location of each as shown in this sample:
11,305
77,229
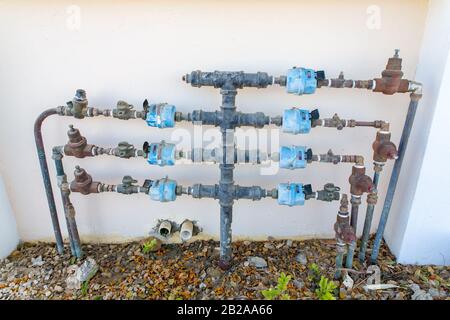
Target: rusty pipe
46,177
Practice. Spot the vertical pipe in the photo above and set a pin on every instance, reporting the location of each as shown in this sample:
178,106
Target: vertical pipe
46,177
61,175
226,183
355,201
368,219
340,249
395,174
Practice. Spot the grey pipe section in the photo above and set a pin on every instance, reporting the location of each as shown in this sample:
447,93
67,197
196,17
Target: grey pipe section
60,173
69,211
238,119
368,221
415,97
355,201
226,174
340,249
46,177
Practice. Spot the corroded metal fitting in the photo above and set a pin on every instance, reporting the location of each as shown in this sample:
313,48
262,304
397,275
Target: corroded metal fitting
128,186
335,122
329,193
372,197
79,104
83,182
383,147
77,145
126,111
344,232
359,182
391,78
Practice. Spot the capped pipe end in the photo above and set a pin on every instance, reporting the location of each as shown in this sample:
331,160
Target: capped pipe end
165,228
186,230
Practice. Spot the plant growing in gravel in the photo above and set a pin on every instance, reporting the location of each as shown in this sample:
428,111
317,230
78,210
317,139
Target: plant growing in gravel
325,290
279,290
314,273
84,288
149,246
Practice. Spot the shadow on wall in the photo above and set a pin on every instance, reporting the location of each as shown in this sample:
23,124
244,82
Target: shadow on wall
9,237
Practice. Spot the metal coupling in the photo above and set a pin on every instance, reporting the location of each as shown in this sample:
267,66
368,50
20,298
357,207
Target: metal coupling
126,111
127,186
372,197
329,193
125,150
335,122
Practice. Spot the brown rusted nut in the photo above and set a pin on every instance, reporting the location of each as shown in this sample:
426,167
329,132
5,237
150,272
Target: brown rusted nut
83,182
359,182
372,198
391,78
383,147
77,145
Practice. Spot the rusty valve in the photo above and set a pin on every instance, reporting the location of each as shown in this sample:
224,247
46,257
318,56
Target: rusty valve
83,182
77,145
383,148
391,78
344,232
359,182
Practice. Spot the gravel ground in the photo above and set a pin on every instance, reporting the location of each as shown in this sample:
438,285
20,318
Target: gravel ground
189,271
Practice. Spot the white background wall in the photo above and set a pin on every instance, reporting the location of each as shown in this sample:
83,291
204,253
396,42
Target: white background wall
135,50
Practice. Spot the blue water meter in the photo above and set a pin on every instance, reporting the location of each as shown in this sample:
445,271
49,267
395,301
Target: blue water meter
301,81
293,157
291,194
161,154
296,121
163,190
161,115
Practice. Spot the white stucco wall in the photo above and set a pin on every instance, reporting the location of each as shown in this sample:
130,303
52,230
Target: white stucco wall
9,237
137,50
419,227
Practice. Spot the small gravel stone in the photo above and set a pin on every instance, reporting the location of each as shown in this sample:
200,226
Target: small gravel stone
301,258
257,262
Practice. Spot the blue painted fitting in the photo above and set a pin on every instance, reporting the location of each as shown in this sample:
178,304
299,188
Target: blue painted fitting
291,194
162,154
163,190
161,115
296,121
292,157
301,81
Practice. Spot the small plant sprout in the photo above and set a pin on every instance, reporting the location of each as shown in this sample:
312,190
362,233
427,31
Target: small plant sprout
149,246
325,290
280,290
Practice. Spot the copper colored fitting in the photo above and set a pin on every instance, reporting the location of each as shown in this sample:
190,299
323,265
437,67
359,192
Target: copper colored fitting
383,147
77,145
83,182
391,78
344,232
359,182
